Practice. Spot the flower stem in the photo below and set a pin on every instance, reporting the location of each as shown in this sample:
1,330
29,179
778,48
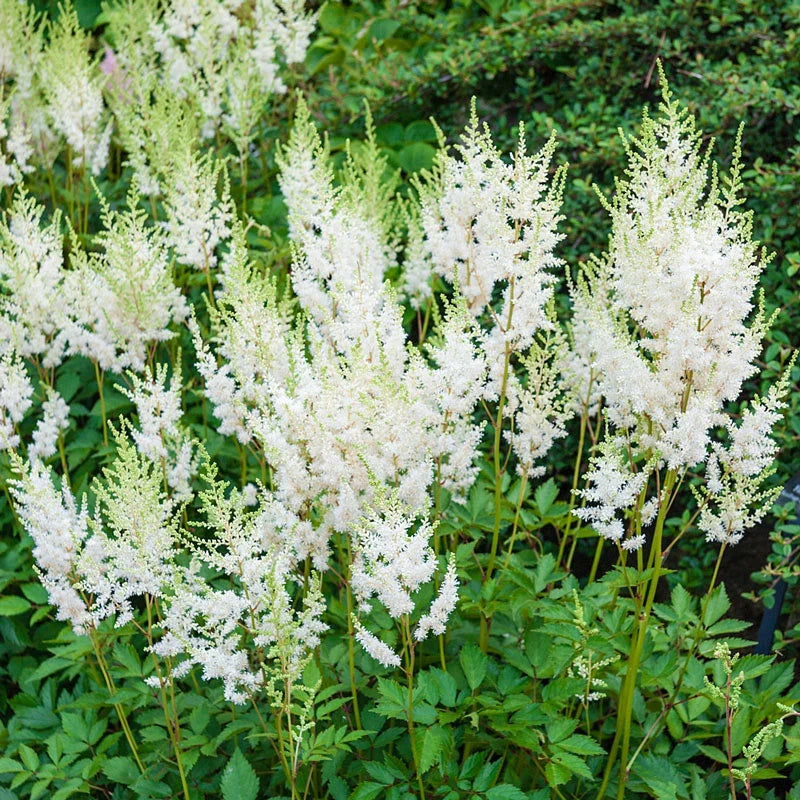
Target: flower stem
625,709
98,374
112,689
409,647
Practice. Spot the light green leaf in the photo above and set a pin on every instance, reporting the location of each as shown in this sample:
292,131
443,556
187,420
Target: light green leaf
29,757
368,790
582,745
474,664
432,741
545,496
574,764
121,770
718,604
239,780
11,606
505,791
8,765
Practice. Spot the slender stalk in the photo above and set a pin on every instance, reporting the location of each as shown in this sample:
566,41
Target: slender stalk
409,648
621,743
729,712
63,456
345,569
112,689
243,171
282,751
498,472
173,725
70,190
99,376
515,526
596,561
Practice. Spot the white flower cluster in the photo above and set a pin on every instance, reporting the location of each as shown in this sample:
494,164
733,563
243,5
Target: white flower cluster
392,560
122,299
50,426
343,251
32,277
232,610
73,87
443,605
392,557
490,227
208,624
20,52
338,405
160,437
661,325
733,499
59,529
214,51
197,219
15,397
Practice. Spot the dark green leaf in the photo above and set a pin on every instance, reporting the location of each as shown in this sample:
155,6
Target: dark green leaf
417,156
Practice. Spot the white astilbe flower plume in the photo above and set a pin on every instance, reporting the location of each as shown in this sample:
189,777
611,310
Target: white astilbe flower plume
375,647
249,634
73,86
160,436
491,228
452,385
50,426
159,410
342,240
435,621
15,397
21,106
32,275
612,487
207,47
661,327
544,406
135,530
59,529
337,398
734,498
122,299
392,556
198,219
16,146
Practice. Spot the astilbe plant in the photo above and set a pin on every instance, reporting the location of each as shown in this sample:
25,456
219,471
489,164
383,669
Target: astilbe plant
661,332
360,475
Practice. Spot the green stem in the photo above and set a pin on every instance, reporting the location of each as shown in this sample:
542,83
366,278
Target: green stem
112,689
625,708
576,473
596,561
281,750
409,647
344,562
99,375
173,725
70,189
498,472
515,527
